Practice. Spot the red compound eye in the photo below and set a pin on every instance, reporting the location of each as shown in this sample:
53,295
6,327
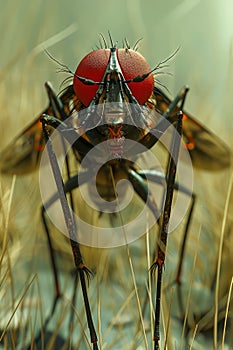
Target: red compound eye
133,64
93,66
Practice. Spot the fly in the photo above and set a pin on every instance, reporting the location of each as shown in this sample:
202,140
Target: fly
113,100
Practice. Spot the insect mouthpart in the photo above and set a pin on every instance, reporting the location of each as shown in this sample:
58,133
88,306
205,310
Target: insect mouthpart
116,141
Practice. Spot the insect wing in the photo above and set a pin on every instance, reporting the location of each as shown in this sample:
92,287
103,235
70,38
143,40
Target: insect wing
23,154
207,150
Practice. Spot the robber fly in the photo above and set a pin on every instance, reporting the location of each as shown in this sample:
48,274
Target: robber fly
114,76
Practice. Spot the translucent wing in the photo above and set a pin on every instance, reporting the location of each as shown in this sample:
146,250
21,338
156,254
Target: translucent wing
207,150
23,154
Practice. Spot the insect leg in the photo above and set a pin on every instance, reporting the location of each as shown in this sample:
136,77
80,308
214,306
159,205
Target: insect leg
164,227
58,111
55,121
141,188
159,178
183,246
81,268
167,118
55,103
69,186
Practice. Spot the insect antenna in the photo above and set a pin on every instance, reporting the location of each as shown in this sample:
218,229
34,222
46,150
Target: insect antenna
65,67
171,56
162,65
